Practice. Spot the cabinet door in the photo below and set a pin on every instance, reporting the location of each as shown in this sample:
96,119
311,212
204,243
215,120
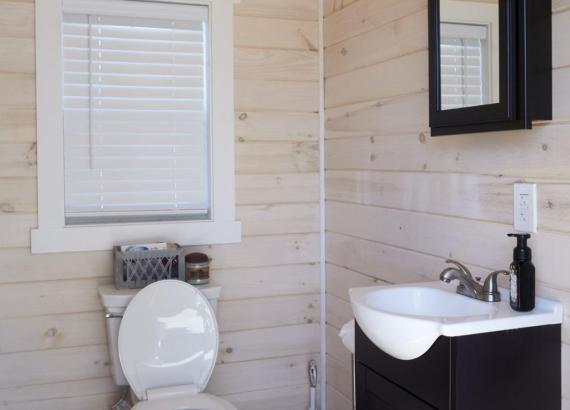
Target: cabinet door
374,392
427,376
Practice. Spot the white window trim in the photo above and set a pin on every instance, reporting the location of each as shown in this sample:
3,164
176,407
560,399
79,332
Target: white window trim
52,235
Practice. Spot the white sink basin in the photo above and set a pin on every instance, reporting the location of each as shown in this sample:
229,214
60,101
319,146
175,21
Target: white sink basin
405,320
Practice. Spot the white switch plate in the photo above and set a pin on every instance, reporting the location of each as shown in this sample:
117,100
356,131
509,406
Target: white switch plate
525,207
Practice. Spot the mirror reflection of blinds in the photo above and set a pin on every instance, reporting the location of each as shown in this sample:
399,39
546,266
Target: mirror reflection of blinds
136,118
462,56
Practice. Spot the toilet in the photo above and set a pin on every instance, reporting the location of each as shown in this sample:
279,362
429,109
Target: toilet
167,344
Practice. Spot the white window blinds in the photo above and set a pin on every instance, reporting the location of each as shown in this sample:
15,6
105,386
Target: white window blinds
136,117
463,52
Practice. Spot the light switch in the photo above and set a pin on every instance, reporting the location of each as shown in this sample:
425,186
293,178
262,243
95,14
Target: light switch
525,207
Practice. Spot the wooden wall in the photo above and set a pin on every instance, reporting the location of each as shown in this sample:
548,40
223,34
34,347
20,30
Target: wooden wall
53,352
400,202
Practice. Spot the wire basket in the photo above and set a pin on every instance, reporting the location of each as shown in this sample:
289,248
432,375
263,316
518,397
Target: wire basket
136,269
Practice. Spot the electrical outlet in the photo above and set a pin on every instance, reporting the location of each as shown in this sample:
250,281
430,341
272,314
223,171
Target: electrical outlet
525,207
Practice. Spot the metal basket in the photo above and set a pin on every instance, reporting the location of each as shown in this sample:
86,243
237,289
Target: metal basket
136,269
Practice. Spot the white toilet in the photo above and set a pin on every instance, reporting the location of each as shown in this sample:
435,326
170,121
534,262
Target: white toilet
167,345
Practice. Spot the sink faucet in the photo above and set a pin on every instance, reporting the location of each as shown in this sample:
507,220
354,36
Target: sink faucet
469,286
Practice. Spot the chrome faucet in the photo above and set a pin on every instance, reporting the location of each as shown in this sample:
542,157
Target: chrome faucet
469,286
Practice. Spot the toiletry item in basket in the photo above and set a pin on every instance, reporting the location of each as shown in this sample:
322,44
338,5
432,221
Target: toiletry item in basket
157,246
197,268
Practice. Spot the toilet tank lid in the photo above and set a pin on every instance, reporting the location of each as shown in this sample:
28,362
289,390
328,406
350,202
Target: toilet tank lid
112,297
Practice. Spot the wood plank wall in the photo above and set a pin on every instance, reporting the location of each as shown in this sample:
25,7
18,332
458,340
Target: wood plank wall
400,202
53,354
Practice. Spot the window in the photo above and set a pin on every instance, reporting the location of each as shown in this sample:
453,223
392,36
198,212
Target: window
465,78
135,124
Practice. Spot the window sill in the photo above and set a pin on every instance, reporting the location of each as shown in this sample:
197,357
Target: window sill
95,238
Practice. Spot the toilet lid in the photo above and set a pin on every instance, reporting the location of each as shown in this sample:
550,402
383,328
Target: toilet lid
168,337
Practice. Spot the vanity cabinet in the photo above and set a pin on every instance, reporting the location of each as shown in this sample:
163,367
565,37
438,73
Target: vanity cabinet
507,370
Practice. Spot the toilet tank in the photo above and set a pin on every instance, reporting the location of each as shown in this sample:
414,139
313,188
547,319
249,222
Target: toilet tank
115,301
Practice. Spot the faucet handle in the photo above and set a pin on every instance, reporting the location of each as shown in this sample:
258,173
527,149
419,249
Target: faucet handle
490,288
459,266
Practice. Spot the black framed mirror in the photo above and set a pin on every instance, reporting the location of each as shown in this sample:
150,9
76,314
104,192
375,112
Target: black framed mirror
490,64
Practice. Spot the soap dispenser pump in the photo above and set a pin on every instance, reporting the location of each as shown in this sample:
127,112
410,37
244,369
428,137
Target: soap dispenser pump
522,275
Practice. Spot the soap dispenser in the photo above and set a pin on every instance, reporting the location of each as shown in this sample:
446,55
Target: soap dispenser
522,275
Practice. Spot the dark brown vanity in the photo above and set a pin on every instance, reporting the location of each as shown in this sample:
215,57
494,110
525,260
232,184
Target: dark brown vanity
507,370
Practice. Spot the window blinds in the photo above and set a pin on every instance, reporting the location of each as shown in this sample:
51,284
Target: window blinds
136,117
462,58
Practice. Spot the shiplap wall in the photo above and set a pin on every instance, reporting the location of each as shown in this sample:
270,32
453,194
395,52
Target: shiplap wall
400,202
53,352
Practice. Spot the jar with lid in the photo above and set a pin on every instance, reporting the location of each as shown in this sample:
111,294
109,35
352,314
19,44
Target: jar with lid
197,268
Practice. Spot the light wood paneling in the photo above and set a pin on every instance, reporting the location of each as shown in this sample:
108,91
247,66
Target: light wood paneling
55,365
16,19
336,401
264,95
269,342
365,15
16,229
17,91
17,125
18,55
275,34
403,75
339,376
400,37
86,402
53,353
338,311
231,378
379,117
18,195
530,154
19,265
560,99
560,5
291,9
340,280
50,298
18,160
279,219
445,236
51,332
286,398
265,251
258,313
398,265
267,64
335,348
560,38
277,126
56,391
281,188
277,158
450,194
268,281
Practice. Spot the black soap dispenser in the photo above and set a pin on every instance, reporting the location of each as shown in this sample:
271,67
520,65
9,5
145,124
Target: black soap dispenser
522,275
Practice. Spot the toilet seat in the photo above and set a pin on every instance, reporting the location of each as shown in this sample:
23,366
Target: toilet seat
168,345
200,401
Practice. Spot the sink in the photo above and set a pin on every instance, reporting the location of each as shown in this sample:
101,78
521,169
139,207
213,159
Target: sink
405,320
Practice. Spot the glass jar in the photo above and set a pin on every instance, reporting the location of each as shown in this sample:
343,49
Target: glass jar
197,268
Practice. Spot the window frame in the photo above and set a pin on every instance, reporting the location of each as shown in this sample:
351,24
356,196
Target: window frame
52,234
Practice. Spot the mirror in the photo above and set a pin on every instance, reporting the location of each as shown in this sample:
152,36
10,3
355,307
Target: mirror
490,65
469,53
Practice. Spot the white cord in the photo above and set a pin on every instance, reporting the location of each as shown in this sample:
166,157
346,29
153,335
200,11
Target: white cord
313,398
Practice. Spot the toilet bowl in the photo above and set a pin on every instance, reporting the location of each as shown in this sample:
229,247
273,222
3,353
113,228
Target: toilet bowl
168,345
